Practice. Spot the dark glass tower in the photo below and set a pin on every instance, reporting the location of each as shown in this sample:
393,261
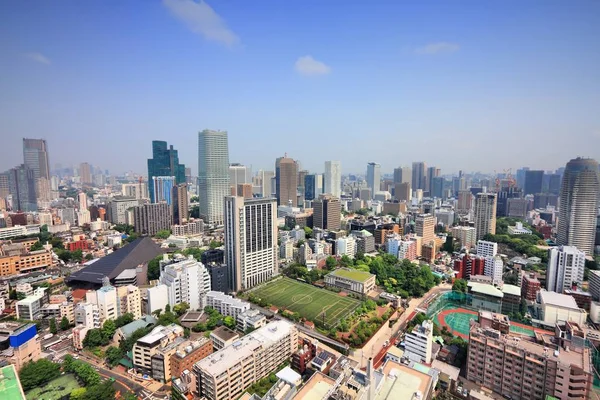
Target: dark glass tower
164,162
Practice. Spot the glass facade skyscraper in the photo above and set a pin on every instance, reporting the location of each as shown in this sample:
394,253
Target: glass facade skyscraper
35,157
164,162
213,174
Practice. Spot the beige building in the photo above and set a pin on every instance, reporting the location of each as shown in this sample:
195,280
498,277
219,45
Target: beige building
286,181
223,337
156,341
359,282
425,227
466,236
130,301
485,214
225,375
327,213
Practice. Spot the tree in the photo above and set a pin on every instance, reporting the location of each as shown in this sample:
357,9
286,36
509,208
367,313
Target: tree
78,394
460,285
229,322
308,232
64,255
215,244
181,308
64,323
124,320
89,256
95,338
163,234
108,329
113,355
77,255
154,268
330,263
53,328
168,308
38,373
36,246
100,391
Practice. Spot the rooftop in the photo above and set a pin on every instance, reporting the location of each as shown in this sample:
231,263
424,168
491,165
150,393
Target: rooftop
511,289
488,290
359,276
557,300
224,333
402,382
144,322
10,387
316,387
158,333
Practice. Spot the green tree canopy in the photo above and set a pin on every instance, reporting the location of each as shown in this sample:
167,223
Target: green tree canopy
460,285
53,327
38,373
163,234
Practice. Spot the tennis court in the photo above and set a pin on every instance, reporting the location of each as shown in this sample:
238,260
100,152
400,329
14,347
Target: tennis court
457,320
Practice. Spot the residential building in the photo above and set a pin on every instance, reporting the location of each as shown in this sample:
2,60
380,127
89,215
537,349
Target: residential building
333,178
485,214
106,300
486,248
158,298
87,315
117,209
190,228
149,219
556,307
226,305
346,246
250,241
85,173
179,205
227,373
222,337
286,181
530,286
30,308
148,346
419,343
213,174
579,205
250,319
129,300
521,369
465,236
566,266
594,284
164,162
187,281
185,358
494,268
365,241
355,281
425,227
327,213
373,177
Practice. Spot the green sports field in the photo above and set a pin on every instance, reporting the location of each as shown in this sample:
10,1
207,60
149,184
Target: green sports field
308,301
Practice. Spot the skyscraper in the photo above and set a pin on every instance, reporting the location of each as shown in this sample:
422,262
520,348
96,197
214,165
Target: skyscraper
437,187
35,157
250,240
286,179
239,174
432,172
419,179
164,162
485,214
180,204
213,174
333,178
402,191
327,211
163,188
21,183
578,205
533,182
373,177
313,186
151,218
566,265
85,173
402,175
263,180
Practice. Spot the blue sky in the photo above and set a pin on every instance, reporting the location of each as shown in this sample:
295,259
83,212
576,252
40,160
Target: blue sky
473,85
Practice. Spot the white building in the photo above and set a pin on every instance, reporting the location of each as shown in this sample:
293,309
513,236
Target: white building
45,218
187,281
419,343
250,241
333,178
251,319
158,298
87,315
494,267
118,207
114,240
566,265
106,300
213,174
346,246
83,217
129,299
465,235
393,245
518,229
556,307
225,304
487,249
286,250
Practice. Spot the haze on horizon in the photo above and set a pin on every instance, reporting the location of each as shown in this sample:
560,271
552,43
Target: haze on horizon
478,86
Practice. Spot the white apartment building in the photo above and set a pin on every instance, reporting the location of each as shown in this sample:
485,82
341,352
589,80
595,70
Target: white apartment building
106,300
566,265
83,217
286,250
87,315
419,343
149,345
30,307
487,249
250,240
251,319
225,304
187,281
333,178
466,235
494,267
346,246
225,375
118,207
158,298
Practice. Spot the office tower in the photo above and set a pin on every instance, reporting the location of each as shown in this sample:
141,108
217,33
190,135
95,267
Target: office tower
264,179
327,212
313,186
239,174
485,214
180,204
521,177
163,189
419,178
151,218
82,198
503,196
250,240
286,179
225,374
244,190
164,162
437,187
301,175
578,205
21,183
333,178
533,182
432,172
553,183
85,173
213,174
402,175
188,175
187,281
566,265
118,207
4,186
419,343
373,177
425,227
402,191
35,156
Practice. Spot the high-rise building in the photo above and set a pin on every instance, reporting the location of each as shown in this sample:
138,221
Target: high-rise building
118,207
487,249
35,156
213,174
578,205
520,177
566,265
21,183
239,174
494,268
402,175
419,177
250,240
402,191
373,177
533,182
327,211
313,186
425,227
465,236
151,218
85,173
264,179
432,172
286,179
503,196
164,162
187,281
180,204
82,198
163,189
333,178
485,214
419,343
437,187
244,190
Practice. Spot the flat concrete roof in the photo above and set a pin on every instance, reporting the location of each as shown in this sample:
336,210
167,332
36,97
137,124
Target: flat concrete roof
10,386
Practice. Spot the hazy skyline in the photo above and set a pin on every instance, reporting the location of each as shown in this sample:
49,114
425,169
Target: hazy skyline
471,85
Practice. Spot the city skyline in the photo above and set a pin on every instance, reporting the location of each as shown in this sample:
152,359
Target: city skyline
444,85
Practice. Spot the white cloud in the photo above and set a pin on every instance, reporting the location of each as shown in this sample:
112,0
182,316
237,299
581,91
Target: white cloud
38,57
202,19
308,66
437,48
